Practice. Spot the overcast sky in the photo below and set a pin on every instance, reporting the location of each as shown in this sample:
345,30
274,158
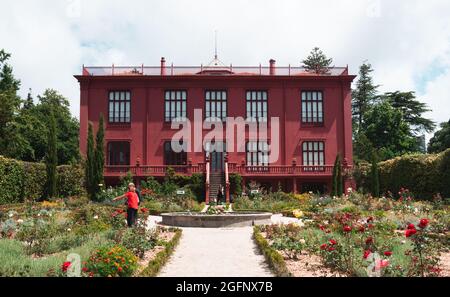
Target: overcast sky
406,41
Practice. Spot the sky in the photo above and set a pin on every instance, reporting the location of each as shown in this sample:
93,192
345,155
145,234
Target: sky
406,41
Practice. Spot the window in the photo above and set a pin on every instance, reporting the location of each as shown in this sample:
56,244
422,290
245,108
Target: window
119,153
119,106
312,107
172,157
175,105
257,153
256,106
313,154
216,104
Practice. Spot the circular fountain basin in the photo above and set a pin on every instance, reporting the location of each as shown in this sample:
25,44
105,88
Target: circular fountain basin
232,219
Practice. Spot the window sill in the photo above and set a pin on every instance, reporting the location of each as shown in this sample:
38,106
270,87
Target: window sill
119,125
311,125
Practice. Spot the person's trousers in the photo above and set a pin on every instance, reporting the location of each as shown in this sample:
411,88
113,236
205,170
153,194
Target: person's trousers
131,216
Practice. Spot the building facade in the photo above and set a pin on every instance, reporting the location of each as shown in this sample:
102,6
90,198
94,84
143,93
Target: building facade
139,105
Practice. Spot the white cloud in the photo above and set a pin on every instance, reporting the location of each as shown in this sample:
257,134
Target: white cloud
402,39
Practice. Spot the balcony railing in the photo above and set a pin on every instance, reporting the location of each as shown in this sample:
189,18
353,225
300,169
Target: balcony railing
205,70
245,170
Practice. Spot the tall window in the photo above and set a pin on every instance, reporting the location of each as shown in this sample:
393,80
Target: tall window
119,106
216,104
313,153
172,157
118,153
175,105
312,107
257,153
257,106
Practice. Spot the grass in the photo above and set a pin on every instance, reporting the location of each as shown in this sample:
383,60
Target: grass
15,262
155,265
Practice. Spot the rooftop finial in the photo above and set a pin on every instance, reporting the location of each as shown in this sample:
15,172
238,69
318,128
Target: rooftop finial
215,44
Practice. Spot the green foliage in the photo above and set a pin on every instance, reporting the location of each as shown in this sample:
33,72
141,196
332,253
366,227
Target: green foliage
111,261
25,180
317,62
90,163
99,160
425,175
375,179
441,139
155,265
51,158
235,184
275,260
363,96
337,180
137,239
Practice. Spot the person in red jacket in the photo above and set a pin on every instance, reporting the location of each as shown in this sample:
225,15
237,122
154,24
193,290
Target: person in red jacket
132,203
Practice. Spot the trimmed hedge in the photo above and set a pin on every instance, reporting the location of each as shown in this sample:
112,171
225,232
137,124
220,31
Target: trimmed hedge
273,257
25,180
423,174
155,265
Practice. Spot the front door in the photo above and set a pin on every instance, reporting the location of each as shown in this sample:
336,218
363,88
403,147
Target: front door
216,153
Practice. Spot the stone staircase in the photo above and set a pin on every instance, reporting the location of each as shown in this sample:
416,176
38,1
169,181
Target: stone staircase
216,179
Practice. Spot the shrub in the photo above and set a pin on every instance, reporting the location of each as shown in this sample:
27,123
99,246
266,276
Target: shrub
26,180
112,261
235,184
138,239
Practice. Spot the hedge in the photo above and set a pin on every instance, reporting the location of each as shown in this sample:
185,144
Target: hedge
273,257
423,174
155,265
25,180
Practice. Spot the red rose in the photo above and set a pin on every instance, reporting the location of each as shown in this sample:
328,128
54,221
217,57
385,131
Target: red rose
322,227
366,254
331,249
423,223
370,219
119,269
144,210
361,229
323,246
347,228
65,266
411,226
370,226
333,242
85,269
369,240
410,232
388,253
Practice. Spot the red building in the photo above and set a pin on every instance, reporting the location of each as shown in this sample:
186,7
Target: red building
138,104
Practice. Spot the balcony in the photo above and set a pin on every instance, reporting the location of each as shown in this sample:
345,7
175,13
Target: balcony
244,170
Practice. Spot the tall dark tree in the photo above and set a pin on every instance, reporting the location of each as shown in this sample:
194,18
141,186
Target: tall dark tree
441,139
99,156
9,101
374,174
412,110
28,103
90,163
337,181
51,158
363,96
317,62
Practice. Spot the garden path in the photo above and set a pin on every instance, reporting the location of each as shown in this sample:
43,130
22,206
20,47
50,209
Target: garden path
216,252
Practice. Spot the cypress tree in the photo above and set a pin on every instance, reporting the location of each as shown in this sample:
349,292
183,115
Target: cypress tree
99,156
375,181
90,162
340,181
51,157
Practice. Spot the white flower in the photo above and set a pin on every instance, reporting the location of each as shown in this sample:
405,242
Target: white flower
49,214
100,185
349,190
302,241
11,215
39,215
68,229
403,241
20,221
96,217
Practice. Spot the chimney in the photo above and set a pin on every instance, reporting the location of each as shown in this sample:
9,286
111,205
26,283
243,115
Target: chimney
272,67
163,66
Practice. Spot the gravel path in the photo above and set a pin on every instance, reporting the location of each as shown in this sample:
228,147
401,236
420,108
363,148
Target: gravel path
216,252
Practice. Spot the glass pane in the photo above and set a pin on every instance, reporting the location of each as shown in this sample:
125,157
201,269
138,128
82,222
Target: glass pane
122,95
167,96
178,95
183,95
303,96
305,158
248,96
117,96
253,95
111,95
207,95
320,95
314,95
128,95
213,95
224,95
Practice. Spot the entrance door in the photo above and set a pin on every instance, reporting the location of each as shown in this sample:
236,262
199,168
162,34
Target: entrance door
216,153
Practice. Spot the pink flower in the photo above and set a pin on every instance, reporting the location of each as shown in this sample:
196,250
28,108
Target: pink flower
65,266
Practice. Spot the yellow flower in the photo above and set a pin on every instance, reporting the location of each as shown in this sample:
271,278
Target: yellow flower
297,213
